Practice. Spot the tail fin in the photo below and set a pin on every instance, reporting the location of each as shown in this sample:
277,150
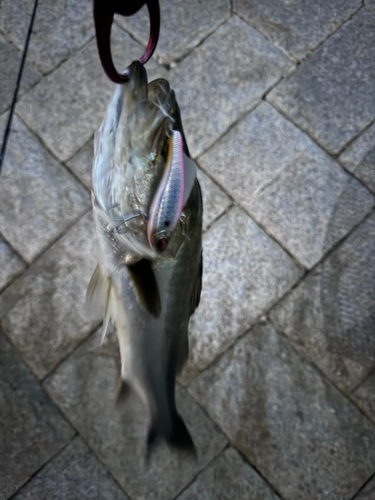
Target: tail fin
179,438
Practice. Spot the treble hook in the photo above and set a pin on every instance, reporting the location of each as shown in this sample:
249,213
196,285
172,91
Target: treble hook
104,10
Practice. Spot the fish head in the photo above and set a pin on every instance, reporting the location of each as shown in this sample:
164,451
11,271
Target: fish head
131,149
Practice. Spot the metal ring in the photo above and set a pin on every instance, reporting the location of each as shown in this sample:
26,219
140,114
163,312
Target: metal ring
104,11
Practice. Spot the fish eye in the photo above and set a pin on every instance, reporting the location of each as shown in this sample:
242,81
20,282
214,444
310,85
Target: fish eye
166,223
162,244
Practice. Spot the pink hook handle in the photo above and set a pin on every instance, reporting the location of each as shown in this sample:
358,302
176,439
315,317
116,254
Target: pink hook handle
104,10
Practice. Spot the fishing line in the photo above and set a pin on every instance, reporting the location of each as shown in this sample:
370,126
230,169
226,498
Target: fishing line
14,101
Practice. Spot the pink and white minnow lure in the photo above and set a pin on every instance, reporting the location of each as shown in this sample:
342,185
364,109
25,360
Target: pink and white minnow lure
168,201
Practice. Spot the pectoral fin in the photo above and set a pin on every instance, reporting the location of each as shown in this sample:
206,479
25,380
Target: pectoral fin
97,294
146,286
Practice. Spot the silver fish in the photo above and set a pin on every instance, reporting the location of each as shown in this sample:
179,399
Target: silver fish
149,295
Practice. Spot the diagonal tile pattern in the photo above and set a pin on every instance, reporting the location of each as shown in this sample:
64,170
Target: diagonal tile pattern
296,191
330,316
183,25
34,186
364,395
304,437
32,430
244,273
331,95
55,287
368,492
10,264
228,477
224,78
60,28
287,184
10,60
359,158
296,27
75,474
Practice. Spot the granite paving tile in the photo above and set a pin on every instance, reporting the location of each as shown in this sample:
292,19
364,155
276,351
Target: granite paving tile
215,201
31,428
183,25
288,184
84,388
331,96
10,264
10,60
67,106
223,79
82,162
368,492
302,435
296,27
228,477
75,474
359,158
42,312
244,273
38,197
331,314
364,395
370,4
59,29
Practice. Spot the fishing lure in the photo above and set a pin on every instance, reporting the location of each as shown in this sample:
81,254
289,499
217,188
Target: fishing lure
171,195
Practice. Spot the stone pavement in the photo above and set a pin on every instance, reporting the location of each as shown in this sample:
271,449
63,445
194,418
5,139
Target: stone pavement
278,104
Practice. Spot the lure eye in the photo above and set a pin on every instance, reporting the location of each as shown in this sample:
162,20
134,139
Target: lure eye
162,244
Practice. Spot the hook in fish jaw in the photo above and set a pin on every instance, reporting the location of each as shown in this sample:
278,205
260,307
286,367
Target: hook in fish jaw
110,216
123,220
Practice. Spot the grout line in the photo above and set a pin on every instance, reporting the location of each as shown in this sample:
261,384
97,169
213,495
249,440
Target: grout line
320,371
58,65
257,470
52,457
287,54
266,313
50,245
13,249
233,445
98,457
309,53
333,157
195,476
244,114
18,83
216,219
51,153
363,379
178,60
66,58
259,224
230,127
61,361
354,138
324,258
363,486
80,149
